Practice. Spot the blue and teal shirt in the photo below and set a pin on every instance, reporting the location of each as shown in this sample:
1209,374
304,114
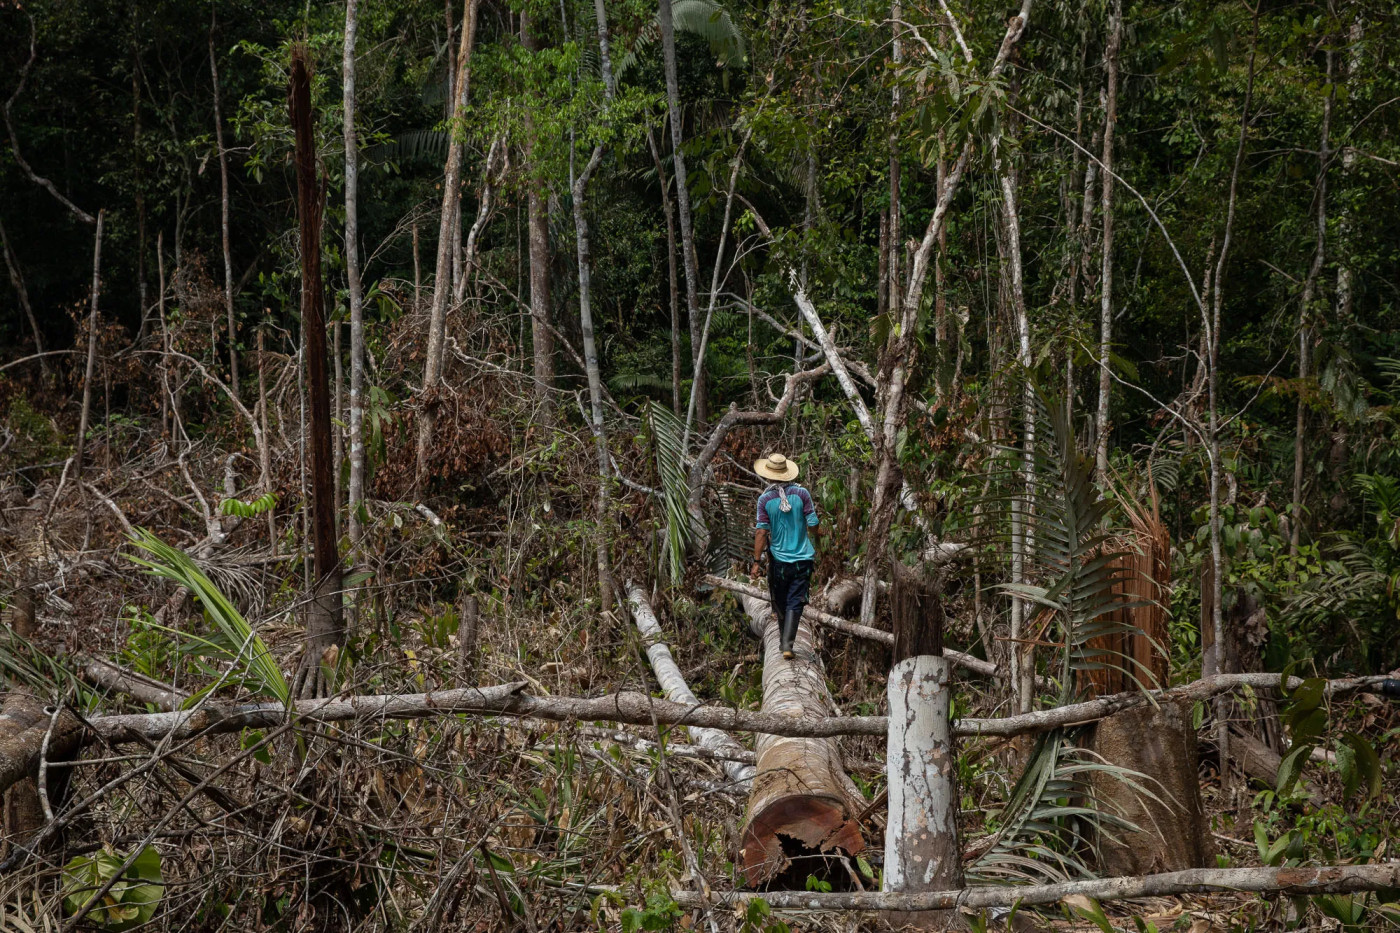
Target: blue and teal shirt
788,540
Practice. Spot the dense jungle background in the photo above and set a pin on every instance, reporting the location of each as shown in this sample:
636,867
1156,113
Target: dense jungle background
392,347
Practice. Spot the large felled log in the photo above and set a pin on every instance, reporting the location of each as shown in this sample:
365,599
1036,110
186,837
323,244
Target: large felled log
25,722
1302,881
673,684
803,807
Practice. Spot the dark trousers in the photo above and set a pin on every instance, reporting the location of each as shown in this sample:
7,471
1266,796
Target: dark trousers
788,584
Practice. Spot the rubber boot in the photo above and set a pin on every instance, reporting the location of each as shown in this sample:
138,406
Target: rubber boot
790,623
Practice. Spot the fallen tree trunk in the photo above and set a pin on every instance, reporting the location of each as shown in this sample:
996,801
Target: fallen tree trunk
25,725
1323,879
802,810
673,684
135,685
632,708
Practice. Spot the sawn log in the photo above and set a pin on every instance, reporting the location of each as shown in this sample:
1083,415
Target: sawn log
801,814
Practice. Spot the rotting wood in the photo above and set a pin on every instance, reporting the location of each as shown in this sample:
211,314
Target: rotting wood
1322,879
673,684
802,808
133,684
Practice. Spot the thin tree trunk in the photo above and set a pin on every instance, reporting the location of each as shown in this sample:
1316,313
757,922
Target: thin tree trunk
223,216
1223,662
1305,310
688,257
325,618
265,448
579,187
537,212
138,180
1110,117
17,280
1022,654
356,491
167,403
90,369
672,290
442,282
337,418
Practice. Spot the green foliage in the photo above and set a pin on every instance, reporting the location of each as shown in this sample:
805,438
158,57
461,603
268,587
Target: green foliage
251,509
659,913
234,640
667,435
132,900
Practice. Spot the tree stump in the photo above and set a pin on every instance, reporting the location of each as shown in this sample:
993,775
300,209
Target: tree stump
1161,744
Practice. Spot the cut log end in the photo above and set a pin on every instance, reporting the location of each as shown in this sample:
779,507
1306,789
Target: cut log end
797,836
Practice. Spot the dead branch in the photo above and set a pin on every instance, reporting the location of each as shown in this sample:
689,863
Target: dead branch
1324,879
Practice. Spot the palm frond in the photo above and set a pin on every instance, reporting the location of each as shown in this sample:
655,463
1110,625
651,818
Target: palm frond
423,145
234,639
703,18
668,432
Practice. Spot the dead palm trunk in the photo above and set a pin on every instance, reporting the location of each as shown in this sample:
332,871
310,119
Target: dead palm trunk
803,806
356,492
1110,117
442,281
223,216
537,210
324,622
688,257
90,369
1305,310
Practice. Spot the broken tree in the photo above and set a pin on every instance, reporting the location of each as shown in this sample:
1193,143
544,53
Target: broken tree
801,816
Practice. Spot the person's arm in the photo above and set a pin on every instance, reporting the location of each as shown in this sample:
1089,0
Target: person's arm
760,544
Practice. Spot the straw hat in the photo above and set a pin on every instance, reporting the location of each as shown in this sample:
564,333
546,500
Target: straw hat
776,467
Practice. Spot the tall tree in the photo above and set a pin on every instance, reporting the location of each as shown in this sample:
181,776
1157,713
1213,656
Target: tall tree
223,213
1110,119
537,212
688,256
325,626
448,227
356,490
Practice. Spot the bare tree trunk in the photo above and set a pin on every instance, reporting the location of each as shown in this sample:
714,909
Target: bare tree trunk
17,280
356,492
672,291
537,210
922,852
1223,662
442,282
223,216
688,257
324,623
265,448
579,187
138,177
802,809
168,405
1022,506
1305,309
1110,118
90,370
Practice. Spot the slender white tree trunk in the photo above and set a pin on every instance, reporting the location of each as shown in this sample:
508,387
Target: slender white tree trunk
356,492
442,281
90,369
223,216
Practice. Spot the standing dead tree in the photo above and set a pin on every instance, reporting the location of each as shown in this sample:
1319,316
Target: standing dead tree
801,815
325,625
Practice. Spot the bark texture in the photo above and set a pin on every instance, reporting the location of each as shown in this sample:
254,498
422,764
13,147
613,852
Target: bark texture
1160,743
803,806
325,616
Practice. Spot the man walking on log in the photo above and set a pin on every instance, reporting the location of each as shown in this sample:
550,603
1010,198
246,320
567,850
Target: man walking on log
785,512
